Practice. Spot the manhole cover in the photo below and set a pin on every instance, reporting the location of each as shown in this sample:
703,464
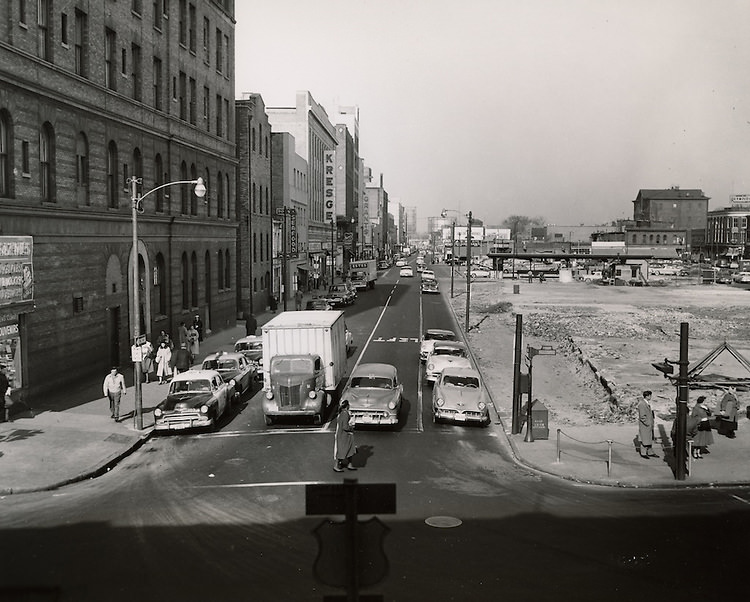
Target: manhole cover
443,522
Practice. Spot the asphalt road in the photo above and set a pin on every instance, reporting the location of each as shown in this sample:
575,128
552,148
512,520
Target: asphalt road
221,516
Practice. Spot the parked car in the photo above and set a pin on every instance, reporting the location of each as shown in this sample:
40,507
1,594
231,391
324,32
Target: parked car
320,304
593,276
430,337
196,399
741,277
458,396
252,348
401,263
444,354
480,271
429,287
406,272
374,393
233,366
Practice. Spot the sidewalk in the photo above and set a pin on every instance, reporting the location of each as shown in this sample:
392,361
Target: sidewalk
47,449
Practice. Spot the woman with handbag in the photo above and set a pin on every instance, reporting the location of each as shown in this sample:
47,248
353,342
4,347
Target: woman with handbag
703,436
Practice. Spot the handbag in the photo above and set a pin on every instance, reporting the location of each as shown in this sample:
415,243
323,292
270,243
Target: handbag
704,425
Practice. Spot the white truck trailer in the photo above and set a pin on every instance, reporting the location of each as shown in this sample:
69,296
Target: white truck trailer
363,273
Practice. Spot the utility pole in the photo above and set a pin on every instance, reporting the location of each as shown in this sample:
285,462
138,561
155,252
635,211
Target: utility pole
468,273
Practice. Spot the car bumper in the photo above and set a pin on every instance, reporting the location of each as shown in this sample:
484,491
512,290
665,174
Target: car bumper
461,416
376,417
181,423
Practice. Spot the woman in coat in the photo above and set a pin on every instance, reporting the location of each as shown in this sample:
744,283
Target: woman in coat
343,446
646,426
703,436
728,407
193,342
163,359
147,359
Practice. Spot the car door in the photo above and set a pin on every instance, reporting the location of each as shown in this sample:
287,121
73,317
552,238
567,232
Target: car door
221,390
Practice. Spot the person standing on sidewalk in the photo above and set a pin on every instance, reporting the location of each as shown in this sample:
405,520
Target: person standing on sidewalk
183,332
703,436
646,426
4,389
343,444
163,359
298,300
181,360
114,388
251,324
728,407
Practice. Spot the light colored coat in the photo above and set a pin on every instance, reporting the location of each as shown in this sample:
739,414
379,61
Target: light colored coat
645,422
163,357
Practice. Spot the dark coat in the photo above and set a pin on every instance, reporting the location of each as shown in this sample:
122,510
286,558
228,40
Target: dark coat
701,438
729,406
343,446
181,359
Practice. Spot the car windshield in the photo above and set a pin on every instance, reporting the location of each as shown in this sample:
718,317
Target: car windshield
294,365
191,386
439,336
249,346
470,382
449,351
371,382
220,365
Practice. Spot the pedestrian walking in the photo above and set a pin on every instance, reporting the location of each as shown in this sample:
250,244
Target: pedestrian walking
646,426
198,325
728,407
193,341
182,331
147,359
113,388
298,300
164,338
251,324
343,445
181,360
163,360
4,390
703,436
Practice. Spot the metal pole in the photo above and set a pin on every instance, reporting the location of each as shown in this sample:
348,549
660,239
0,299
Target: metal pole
453,252
352,570
468,274
559,450
609,457
517,354
682,405
529,435
284,269
136,317
333,252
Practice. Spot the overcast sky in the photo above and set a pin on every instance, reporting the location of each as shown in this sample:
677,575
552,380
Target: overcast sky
556,108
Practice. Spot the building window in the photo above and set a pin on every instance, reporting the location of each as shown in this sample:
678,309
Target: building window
112,176
182,96
194,280
124,63
158,181
136,68
64,29
220,197
158,14
5,155
227,271
110,59
82,169
47,163
25,158
184,189
207,198
219,51
252,138
255,248
44,36
634,238
192,34
221,271
137,7
22,12
206,107
219,122
158,84
81,44
228,114
185,283
227,55
255,199
206,40
193,197
160,291
268,203
229,195
191,100
183,23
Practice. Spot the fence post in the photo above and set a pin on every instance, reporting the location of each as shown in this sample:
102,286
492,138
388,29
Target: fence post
559,451
609,457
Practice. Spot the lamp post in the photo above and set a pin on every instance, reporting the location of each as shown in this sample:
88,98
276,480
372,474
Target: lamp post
444,214
333,251
136,200
468,271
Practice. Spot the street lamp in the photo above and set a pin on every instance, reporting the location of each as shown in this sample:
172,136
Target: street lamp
444,214
137,200
468,271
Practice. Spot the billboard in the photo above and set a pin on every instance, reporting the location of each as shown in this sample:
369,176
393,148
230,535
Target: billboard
16,271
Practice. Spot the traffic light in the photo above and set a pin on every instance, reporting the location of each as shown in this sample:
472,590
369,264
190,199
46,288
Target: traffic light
665,367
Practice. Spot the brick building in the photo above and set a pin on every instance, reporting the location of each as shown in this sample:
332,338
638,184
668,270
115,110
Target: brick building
92,95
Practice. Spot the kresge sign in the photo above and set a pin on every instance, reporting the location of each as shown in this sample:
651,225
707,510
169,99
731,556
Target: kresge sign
329,183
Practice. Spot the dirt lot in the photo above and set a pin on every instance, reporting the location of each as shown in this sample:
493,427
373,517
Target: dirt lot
619,330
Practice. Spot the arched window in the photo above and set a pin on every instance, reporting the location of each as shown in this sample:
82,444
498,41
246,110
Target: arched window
82,169
193,197
644,239
184,189
221,271
252,136
207,198
268,203
185,275
268,247
227,270
158,181
255,199
194,280
657,239
220,196
650,238
112,176
255,284
160,289
228,194
255,248
6,156
47,162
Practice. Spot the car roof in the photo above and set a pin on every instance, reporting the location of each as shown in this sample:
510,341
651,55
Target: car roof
253,338
196,374
375,370
224,354
461,371
449,344
439,331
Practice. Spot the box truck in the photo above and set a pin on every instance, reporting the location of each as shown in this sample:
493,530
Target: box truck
363,273
304,361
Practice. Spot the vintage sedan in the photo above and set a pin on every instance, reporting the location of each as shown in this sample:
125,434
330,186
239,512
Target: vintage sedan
374,394
429,287
318,305
432,335
196,399
480,271
233,366
444,354
252,348
428,275
406,272
458,396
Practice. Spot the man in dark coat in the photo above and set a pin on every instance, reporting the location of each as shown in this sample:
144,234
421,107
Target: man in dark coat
343,446
181,360
198,325
646,426
728,407
4,386
251,324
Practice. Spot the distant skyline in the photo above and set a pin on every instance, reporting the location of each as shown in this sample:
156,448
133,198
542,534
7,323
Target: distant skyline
562,109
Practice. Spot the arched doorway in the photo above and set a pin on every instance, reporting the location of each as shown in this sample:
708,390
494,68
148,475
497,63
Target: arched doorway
207,284
144,291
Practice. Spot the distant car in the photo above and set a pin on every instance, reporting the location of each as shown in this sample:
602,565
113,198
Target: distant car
430,337
741,277
594,276
401,263
383,265
233,366
666,270
196,399
480,271
444,354
458,396
374,394
252,348
406,272
428,275
429,287
318,304
341,295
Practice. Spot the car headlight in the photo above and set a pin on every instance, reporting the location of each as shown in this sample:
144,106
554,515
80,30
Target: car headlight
232,383
430,366
269,394
439,402
312,394
158,412
204,409
481,405
392,405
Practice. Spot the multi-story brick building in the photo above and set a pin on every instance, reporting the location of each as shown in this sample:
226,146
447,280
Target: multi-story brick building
93,94
254,204
673,208
727,231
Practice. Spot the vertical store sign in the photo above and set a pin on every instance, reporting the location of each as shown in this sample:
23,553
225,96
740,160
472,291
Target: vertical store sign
329,183
293,250
16,273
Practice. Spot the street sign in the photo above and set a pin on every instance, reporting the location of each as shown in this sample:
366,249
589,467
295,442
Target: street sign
140,339
371,498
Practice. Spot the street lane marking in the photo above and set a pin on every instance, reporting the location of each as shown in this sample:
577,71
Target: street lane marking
396,340
255,433
258,485
420,407
743,500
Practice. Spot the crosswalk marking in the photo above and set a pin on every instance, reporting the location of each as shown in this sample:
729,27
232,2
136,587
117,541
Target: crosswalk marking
396,340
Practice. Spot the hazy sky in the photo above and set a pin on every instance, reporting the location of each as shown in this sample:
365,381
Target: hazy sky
556,108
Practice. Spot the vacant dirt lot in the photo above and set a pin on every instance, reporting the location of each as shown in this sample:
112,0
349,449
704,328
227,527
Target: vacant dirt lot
620,330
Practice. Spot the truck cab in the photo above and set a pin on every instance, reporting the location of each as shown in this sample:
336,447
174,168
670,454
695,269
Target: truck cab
296,388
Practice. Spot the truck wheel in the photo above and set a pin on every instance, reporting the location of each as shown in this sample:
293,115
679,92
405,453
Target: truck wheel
269,420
